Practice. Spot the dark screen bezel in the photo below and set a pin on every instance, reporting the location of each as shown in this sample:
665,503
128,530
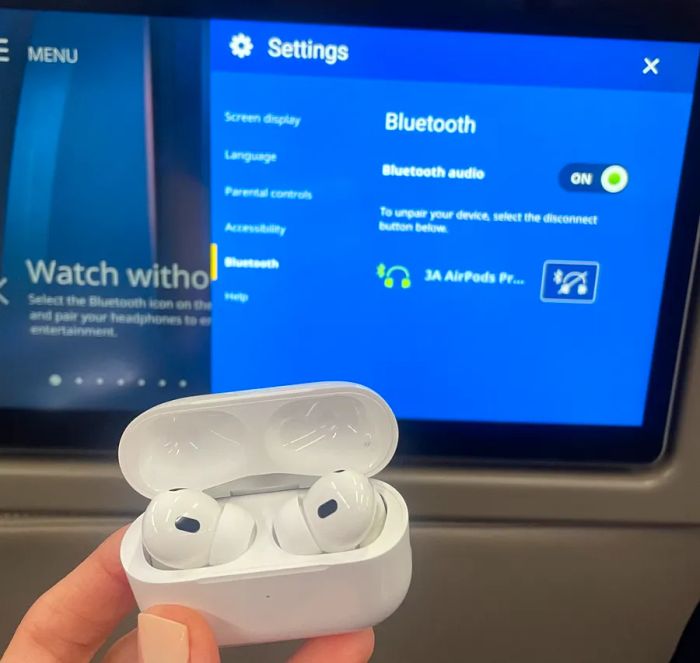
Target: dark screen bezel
41,431
673,20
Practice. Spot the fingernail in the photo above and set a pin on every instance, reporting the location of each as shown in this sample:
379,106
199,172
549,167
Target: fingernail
162,640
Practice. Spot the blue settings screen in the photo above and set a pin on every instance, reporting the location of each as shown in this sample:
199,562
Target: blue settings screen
477,226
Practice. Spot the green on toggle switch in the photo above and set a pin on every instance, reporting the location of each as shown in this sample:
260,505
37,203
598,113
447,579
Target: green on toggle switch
614,179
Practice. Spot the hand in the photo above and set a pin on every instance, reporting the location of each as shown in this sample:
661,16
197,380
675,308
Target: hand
70,622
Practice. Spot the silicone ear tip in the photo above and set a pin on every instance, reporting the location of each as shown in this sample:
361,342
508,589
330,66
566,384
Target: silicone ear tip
234,534
291,530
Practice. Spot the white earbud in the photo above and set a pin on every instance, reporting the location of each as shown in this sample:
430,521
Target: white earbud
187,529
340,512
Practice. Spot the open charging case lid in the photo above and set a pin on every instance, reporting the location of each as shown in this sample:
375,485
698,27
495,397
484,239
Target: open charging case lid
259,440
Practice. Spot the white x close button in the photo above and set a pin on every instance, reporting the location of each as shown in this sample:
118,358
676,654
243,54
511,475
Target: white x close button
651,66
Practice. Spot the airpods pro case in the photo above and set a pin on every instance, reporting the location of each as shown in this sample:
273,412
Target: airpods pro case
254,448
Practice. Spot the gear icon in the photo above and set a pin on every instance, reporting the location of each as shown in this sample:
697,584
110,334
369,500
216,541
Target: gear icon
241,45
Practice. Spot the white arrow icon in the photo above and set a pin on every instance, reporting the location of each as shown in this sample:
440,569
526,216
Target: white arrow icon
3,300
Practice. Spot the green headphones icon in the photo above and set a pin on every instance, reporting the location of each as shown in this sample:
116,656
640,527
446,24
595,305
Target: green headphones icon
390,281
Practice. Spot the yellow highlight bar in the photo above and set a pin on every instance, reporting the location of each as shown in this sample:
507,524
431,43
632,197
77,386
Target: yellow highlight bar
214,261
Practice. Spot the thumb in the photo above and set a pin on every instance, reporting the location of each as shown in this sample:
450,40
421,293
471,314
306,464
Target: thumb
167,634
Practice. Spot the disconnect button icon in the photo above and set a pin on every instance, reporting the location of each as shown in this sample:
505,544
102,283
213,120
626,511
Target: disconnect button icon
614,179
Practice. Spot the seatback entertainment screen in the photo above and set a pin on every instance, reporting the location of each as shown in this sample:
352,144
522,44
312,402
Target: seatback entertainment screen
478,226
